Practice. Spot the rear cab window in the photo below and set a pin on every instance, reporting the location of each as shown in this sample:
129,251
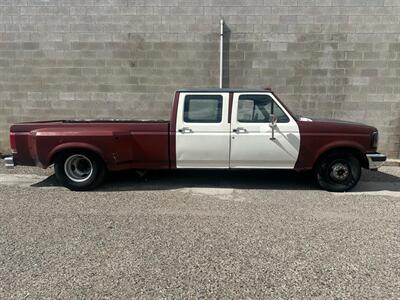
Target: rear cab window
202,109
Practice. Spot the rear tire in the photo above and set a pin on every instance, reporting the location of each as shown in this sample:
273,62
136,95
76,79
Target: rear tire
338,172
79,170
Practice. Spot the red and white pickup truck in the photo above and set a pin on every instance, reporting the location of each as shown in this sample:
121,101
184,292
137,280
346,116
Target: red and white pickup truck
209,128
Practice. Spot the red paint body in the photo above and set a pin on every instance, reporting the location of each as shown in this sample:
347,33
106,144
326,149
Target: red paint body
318,137
151,144
122,145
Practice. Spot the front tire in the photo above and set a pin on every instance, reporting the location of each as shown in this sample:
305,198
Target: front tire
338,172
79,170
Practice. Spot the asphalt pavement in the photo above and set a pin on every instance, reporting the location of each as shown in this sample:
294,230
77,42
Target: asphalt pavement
199,234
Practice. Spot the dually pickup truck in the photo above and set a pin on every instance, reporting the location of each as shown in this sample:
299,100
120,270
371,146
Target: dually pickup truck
209,129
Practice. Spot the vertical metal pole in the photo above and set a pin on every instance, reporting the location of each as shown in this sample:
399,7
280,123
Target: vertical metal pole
221,53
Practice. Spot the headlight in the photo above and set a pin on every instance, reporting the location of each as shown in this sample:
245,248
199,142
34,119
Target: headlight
374,139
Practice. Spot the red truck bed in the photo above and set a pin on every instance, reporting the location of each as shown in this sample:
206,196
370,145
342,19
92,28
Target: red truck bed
121,143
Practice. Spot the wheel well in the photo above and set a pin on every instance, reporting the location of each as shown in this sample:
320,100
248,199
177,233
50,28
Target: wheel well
354,151
67,150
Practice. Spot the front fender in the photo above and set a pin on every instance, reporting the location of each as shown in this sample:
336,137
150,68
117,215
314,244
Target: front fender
338,145
313,146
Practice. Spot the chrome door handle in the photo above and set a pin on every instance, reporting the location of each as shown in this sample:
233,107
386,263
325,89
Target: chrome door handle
240,130
185,130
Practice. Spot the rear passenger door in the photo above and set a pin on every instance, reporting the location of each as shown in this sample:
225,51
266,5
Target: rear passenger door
202,130
254,143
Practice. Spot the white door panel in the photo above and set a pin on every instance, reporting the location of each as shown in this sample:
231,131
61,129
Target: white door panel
202,145
202,150
252,146
256,150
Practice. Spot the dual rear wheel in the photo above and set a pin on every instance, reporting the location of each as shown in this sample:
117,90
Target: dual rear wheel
79,170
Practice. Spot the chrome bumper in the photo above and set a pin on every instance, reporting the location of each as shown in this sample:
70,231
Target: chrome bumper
375,160
9,162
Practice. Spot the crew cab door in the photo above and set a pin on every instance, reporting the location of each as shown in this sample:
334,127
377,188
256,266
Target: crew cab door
202,130
252,143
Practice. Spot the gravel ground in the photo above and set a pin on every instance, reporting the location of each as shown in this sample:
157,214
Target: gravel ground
199,235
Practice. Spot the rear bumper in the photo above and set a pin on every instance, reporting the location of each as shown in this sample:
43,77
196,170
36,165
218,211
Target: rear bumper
375,160
9,162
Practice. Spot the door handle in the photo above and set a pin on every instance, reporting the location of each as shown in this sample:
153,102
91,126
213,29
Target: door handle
240,130
185,130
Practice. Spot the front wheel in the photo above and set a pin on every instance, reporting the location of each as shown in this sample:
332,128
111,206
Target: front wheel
79,170
338,172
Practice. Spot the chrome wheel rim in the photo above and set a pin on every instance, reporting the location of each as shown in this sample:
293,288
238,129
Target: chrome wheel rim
78,168
340,171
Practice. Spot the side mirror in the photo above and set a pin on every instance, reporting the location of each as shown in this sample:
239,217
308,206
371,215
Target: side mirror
274,120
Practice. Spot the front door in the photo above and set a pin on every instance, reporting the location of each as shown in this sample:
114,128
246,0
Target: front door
252,143
202,130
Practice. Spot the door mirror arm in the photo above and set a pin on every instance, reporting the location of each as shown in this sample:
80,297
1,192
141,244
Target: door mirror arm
274,120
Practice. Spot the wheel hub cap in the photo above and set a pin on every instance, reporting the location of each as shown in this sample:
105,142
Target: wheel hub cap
340,172
78,168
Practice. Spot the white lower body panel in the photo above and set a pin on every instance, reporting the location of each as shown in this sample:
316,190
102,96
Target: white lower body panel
257,151
202,150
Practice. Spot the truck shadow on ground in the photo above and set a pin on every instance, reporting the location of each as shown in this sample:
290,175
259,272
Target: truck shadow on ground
239,179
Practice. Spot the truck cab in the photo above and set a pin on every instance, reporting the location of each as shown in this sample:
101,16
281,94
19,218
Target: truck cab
231,130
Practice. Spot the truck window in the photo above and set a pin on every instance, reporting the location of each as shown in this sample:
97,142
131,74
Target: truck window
203,109
258,109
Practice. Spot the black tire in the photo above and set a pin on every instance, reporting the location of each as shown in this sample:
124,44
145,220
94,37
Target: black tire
338,171
79,170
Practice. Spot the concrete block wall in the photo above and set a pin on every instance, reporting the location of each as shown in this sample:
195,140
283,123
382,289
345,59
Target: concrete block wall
124,58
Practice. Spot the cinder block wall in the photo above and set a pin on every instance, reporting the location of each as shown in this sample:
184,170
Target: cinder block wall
124,58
